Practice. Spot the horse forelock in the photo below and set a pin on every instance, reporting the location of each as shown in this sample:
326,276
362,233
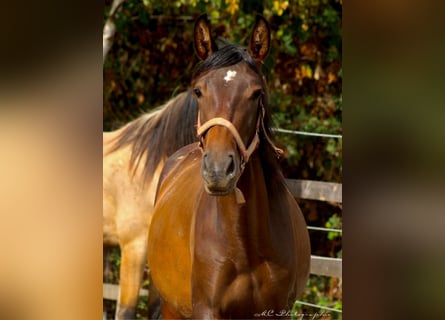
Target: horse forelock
227,55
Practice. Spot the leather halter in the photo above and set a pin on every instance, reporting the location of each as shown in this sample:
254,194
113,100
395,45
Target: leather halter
245,152
218,121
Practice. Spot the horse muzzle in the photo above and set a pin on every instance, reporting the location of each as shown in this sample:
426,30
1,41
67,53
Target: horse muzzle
220,173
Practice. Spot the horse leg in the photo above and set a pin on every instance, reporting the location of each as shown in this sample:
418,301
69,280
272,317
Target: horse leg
107,272
168,312
133,258
154,301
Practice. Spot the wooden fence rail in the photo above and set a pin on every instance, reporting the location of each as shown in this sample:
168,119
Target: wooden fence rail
322,191
325,266
315,190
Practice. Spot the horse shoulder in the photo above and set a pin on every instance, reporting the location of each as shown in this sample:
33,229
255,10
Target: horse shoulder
169,253
176,159
289,231
301,240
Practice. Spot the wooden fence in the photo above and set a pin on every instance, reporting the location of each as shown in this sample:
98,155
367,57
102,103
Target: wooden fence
304,189
322,191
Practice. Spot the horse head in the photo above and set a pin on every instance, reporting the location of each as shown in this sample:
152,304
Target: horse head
230,91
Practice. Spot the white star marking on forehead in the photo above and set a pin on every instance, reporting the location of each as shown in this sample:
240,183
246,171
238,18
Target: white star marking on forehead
230,75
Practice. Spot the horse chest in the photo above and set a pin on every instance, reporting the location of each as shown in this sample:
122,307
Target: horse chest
241,287
264,287
238,274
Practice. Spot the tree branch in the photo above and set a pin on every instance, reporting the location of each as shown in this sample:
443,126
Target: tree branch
110,28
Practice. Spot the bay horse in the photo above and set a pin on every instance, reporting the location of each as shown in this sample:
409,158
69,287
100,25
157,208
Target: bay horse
227,239
132,159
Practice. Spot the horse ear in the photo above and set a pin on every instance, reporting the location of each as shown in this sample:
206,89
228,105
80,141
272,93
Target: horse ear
260,39
204,44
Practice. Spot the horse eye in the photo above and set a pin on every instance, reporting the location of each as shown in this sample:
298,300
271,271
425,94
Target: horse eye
197,92
256,94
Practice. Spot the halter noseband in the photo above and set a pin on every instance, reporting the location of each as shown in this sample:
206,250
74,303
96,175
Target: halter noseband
245,152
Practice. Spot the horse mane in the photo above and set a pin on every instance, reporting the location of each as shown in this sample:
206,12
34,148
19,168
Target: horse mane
160,133
229,54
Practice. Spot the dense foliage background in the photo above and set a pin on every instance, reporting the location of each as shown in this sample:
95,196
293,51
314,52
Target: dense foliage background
152,59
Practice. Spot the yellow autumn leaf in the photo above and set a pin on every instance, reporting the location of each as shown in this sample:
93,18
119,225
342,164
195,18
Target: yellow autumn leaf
306,71
280,6
331,77
233,6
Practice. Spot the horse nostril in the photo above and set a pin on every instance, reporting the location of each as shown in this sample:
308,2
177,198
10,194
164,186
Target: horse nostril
204,164
231,166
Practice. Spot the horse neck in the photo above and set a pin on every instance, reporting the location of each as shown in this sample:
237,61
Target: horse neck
249,220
